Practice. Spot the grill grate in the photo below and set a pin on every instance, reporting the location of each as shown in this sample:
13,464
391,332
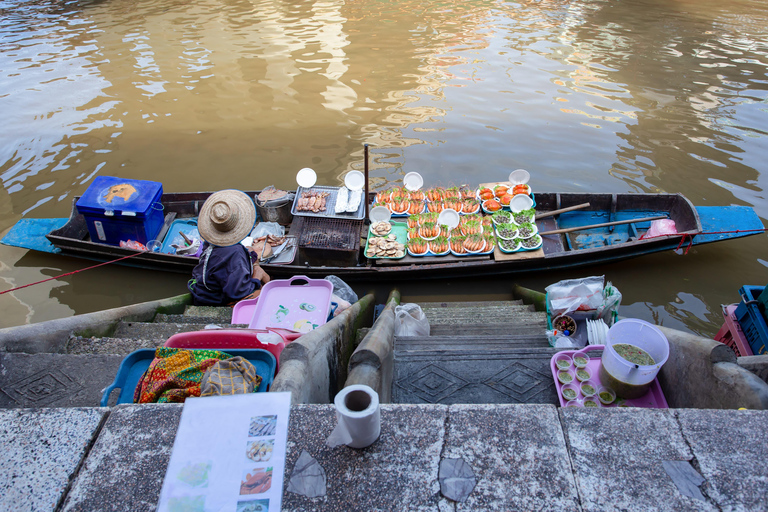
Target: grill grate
318,233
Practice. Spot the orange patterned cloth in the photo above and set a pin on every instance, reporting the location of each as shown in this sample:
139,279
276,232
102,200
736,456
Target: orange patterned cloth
175,374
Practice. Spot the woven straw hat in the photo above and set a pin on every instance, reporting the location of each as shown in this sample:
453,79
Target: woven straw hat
226,217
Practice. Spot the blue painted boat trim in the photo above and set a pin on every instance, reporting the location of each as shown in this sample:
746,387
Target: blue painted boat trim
30,234
725,222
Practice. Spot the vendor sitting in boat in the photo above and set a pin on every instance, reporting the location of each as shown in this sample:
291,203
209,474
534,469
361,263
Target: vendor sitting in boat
228,271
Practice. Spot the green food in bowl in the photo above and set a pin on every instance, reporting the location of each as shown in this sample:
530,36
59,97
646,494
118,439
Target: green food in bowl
590,403
569,394
580,361
587,390
565,377
562,364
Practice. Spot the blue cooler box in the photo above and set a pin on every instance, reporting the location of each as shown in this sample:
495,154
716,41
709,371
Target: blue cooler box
117,210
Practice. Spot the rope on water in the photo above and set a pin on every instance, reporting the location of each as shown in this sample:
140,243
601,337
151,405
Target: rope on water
70,273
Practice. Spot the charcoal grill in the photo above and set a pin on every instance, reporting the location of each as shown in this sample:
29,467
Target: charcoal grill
328,242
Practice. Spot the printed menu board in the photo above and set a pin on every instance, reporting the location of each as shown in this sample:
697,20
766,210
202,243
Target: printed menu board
229,455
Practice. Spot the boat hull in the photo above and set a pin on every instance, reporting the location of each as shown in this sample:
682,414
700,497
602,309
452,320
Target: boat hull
563,250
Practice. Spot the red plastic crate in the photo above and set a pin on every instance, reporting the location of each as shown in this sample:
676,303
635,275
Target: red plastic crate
731,334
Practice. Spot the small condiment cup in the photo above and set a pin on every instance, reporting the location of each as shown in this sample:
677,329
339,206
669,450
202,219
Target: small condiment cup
580,354
573,403
587,404
560,358
604,389
572,387
588,383
583,371
561,376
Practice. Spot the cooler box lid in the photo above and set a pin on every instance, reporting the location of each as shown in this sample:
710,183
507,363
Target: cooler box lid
118,196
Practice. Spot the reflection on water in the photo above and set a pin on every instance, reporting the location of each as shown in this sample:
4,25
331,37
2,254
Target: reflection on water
588,95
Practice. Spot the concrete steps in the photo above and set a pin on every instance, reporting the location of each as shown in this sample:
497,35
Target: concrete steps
77,377
477,352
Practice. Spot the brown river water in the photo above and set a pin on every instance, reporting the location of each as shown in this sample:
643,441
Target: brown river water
641,96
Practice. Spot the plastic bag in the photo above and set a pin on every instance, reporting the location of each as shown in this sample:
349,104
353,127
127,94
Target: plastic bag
267,228
338,306
660,228
611,303
410,320
133,244
342,289
558,340
575,295
271,191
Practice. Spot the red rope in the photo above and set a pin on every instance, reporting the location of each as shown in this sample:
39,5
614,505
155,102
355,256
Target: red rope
70,273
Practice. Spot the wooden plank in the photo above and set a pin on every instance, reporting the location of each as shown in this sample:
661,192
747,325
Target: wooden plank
424,260
498,255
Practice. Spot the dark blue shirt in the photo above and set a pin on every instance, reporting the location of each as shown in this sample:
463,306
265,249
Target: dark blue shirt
222,276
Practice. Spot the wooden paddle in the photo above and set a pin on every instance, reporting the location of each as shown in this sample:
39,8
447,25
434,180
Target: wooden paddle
562,210
604,224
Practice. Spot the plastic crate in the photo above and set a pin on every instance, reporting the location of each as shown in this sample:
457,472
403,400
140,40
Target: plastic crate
751,320
136,363
730,333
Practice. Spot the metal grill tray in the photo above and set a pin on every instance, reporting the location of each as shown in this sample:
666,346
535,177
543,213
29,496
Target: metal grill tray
330,205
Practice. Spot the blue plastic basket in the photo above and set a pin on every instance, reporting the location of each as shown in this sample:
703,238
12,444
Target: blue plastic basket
136,363
751,320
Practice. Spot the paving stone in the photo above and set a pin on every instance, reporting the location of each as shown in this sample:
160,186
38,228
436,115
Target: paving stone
42,449
55,380
126,466
618,454
731,454
518,455
397,472
483,377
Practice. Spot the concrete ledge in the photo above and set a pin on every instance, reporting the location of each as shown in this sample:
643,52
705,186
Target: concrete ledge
522,457
314,367
42,450
518,455
372,363
726,449
702,373
52,336
125,469
755,364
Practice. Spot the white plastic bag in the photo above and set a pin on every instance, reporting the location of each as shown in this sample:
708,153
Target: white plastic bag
267,228
410,320
575,294
342,289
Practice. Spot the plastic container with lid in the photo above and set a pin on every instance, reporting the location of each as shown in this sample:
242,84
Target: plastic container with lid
118,209
627,379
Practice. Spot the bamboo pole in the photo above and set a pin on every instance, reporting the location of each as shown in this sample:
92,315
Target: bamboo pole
562,210
615,223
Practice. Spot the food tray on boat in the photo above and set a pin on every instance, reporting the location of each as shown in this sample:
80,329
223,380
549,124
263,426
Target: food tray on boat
330,204
653,399
399,229
136,363
178,226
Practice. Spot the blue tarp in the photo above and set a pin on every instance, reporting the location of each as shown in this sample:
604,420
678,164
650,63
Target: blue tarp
30,234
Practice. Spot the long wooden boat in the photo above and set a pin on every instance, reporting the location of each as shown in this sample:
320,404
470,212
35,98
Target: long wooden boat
623,238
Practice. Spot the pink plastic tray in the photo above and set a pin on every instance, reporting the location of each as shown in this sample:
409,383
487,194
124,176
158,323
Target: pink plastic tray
653,399
298,303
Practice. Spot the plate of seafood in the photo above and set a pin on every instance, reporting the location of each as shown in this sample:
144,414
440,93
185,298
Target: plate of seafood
331,202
